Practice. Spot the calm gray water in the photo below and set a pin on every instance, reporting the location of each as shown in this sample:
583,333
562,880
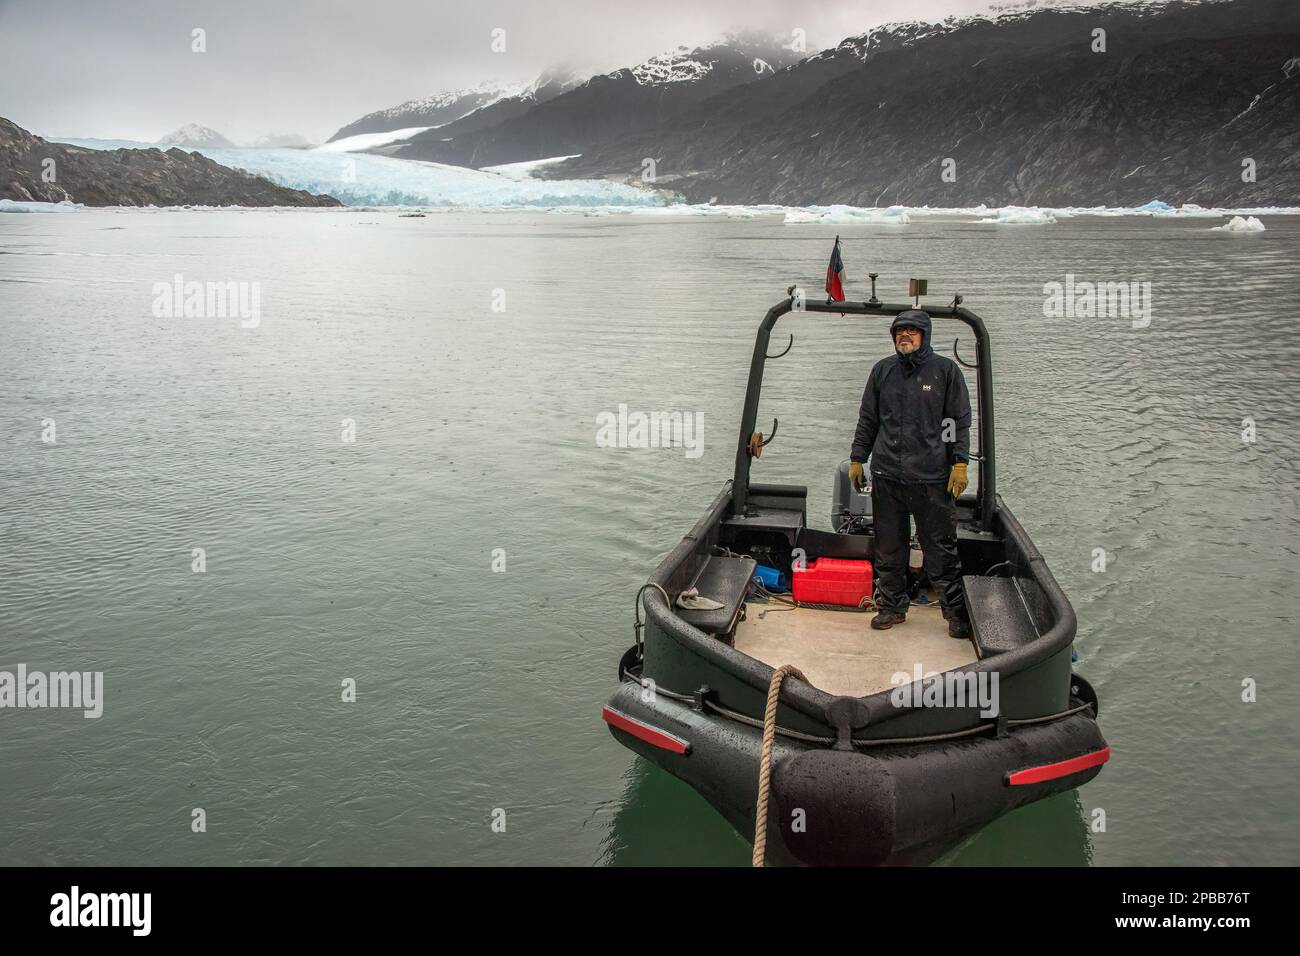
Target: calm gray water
475,431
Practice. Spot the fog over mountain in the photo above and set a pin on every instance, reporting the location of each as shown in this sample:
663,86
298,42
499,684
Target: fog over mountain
1035,104
1182,101
126,69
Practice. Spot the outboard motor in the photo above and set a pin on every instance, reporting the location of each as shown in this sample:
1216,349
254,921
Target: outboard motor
850,510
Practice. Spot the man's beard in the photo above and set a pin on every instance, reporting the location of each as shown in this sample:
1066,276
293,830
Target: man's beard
906,348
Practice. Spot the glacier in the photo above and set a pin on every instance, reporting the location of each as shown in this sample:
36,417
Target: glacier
360,179
364,180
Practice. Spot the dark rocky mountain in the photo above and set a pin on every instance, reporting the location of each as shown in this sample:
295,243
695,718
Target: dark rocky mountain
629,101
1183,94
131,177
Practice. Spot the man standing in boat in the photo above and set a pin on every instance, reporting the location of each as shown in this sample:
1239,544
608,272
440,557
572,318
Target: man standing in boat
914,427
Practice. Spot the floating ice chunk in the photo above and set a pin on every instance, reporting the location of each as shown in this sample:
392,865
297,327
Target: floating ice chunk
1022,216
839,214
1163,210
1238,224
14,205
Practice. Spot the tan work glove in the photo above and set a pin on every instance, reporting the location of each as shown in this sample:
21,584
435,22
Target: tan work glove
957,479
856,477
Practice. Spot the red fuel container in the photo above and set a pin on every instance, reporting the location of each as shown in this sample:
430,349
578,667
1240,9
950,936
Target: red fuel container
832,581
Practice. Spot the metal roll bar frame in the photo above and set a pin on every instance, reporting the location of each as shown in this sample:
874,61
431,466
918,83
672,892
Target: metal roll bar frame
986,506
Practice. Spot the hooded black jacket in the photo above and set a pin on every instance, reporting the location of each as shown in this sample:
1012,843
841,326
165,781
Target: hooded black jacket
905,405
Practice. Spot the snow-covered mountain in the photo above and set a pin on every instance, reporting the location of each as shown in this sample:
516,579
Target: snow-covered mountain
555,80
1016,105
687,65
193,135
445,106
736,57
549,84
890,36
281,141
629,100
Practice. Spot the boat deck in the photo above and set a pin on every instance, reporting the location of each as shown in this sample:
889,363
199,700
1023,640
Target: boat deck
840,653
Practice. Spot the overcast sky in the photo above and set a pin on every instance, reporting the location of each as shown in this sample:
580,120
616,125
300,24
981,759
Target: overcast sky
125,69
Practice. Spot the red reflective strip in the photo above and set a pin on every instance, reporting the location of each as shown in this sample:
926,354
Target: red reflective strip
650,735
1052,771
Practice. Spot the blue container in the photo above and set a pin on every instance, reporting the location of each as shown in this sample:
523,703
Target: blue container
772,579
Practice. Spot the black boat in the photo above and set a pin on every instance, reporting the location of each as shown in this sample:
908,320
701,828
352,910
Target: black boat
863,768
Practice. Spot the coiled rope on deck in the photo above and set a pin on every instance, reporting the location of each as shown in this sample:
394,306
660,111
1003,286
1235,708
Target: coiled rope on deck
765,758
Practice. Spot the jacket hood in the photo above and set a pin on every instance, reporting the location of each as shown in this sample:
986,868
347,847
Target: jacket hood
913,319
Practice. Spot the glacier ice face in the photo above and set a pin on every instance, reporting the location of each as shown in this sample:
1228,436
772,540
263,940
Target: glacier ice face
359,179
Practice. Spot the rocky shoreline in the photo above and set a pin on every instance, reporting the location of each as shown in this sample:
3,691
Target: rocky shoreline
35,170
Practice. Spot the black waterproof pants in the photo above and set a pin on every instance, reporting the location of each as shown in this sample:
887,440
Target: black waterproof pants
935,511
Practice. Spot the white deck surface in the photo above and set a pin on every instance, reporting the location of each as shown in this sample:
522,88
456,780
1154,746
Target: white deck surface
840,653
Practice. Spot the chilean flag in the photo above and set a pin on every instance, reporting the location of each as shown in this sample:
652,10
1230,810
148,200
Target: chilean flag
835,275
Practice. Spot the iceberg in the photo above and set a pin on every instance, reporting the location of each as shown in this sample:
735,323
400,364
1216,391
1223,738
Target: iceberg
839,214
1022,216
1238,224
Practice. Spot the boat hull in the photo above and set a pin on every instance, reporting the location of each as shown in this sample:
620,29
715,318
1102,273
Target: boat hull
862,807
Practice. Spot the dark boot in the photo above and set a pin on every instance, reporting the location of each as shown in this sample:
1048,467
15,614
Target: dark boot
959,628
887,619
